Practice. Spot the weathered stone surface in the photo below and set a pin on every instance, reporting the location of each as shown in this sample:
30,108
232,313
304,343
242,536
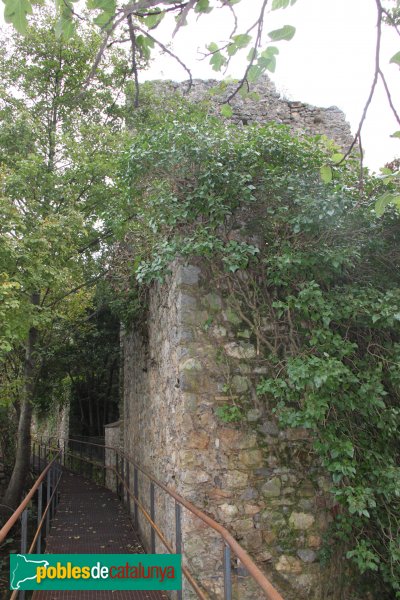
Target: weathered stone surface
249,494
187,275
236,439
253,415
213,301
251,509
307,555
272,488
307,489
194,476
288,564
301,520
232,317
228,512
239,384
251,458
198,440
264,556
269,427
235,479
314,541
240,350
191,364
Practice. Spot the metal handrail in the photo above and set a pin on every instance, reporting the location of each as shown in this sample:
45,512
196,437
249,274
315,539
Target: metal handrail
43,515
229,542
18,512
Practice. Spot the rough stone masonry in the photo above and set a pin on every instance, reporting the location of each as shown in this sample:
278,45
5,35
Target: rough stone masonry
260,482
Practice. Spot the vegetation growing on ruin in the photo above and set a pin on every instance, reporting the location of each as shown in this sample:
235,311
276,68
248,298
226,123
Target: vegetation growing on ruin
315,260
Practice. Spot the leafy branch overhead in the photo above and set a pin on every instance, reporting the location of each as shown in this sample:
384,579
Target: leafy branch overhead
135,22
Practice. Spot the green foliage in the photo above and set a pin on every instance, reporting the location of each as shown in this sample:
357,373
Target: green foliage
58,168
284,33
229,413
326,271
106,16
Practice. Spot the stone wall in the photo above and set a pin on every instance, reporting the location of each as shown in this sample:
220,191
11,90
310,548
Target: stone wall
54,425
113,438
269,107
260,482
192,355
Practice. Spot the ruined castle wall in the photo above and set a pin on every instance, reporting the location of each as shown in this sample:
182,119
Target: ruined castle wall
270,106
258,481
193,355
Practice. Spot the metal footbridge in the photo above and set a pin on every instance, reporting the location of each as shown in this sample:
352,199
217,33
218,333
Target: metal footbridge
75,512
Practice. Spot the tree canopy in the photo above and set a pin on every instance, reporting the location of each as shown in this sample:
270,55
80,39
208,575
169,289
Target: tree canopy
58,164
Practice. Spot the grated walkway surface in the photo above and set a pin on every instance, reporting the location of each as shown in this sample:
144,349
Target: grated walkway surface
91,520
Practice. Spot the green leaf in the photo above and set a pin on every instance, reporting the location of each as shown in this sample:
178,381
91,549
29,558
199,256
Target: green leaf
267,60
337,157
232,49
396,134
242,40
252,54
203,6
16,12
226,111
106,5
282,3
212,47
217,61
254,73
65,25
284,33
103,19
384,201
326,174
153,20
396,58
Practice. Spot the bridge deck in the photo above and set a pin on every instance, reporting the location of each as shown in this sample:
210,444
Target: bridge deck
91,520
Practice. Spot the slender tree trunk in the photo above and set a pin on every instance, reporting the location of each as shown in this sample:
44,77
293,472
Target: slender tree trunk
13,494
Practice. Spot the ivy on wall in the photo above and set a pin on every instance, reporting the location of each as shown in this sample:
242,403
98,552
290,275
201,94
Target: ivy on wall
319,265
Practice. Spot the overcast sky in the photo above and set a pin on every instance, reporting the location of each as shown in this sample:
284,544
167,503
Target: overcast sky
330,61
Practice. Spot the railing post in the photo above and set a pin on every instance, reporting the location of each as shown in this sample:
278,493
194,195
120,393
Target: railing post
227,573
54,477
128,487
91,461
136,496
80,458
103,452
122,478
116,472
24,531
39,517
47,504
178,538
152,515
24,542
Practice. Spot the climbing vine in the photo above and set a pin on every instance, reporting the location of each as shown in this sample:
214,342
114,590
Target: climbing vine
313,271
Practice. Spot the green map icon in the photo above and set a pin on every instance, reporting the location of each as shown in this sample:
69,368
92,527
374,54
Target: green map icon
23,570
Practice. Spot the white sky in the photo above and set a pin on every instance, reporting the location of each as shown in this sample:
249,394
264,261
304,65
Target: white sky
330,61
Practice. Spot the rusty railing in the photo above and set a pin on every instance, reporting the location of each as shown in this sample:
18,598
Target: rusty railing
48,482
97,460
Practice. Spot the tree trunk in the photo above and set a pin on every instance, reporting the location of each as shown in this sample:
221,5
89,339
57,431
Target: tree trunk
13,494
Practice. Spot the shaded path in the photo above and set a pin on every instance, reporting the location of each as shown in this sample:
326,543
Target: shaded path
91,520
